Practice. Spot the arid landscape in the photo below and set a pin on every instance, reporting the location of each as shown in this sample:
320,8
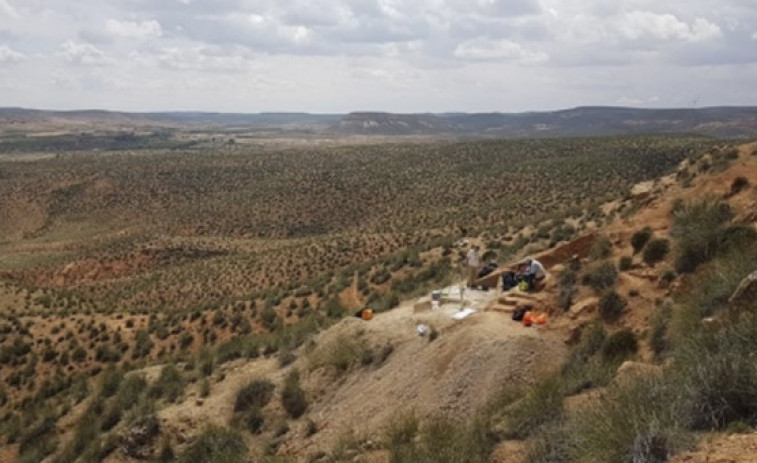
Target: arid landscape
184,291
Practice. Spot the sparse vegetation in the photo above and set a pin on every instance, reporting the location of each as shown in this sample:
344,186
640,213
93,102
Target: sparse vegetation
292,396
611,306
640,238
601,276
738,185
194,260
216,444
601,249
620,345
697,228
249,403
656,250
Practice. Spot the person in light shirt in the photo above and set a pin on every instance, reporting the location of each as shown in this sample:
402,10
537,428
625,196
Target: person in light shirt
533,272
473,262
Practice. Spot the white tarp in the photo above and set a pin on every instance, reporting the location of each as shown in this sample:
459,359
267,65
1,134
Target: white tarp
462,313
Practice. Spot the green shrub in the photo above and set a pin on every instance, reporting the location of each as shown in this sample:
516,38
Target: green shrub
656,250
142,344
640,238
204,387
708,291
292,396
601,276
668,276
552,444
737,238
619,346
601,248
110,381
38,440
248,407
658,334
439,440
238,347
738,184
207,363
381,301
539,405
169,385
334,308
697,228
216,445
79,354
635,421
566,288
342,353
611,306
255,394
625,263
269,317
717,376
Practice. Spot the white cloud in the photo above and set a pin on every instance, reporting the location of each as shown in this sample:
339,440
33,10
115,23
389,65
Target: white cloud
6,9
201,58
7,55
482,49
413,55
133,29
644,24
84,53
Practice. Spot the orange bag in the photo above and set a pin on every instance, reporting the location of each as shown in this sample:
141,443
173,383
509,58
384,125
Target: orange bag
541,319
527,320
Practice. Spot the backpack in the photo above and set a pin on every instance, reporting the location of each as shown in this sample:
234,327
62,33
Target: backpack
518,313
508,280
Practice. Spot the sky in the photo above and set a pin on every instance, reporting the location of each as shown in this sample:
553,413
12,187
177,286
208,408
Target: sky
408,56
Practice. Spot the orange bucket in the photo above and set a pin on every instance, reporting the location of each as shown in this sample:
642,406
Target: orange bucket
366,314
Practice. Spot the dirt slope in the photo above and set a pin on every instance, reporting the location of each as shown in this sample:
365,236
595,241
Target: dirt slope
452,375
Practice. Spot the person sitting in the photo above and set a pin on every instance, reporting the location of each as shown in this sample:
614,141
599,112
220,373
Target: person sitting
533,272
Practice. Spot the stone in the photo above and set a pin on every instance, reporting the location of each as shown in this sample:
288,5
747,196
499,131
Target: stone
642,190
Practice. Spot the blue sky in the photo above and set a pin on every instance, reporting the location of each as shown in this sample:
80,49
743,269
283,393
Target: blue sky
388,55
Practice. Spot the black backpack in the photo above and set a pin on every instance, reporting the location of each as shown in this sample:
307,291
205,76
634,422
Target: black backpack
519,313
509,280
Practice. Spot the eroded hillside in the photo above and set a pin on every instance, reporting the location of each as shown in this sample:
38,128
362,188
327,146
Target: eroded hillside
278,379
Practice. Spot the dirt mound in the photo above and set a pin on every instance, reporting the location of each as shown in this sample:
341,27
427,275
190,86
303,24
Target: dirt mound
452,375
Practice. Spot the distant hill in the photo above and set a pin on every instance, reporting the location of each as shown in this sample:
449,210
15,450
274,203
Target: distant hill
726,122
730,122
